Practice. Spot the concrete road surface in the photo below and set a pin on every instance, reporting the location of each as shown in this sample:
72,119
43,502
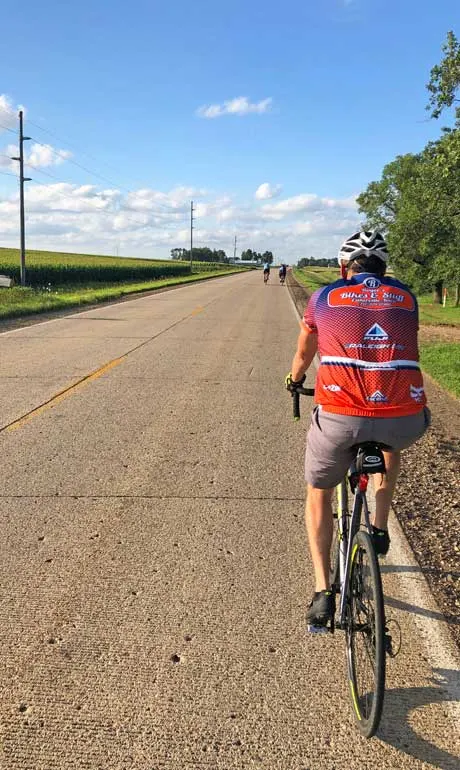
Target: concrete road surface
154,574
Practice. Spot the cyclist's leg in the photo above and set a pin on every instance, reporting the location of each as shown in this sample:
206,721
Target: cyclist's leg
399,433
327,458
384,487
319,523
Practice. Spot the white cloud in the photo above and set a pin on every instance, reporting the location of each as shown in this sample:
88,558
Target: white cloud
42,155
177,199
6,153
64,196
307,202
241,105
8,113
266,191
39,156
149,222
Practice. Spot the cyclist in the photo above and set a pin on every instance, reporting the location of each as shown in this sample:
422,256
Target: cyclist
369,387
266,271
282,273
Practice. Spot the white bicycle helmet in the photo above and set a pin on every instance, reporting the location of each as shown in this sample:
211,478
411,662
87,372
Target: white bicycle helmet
365,244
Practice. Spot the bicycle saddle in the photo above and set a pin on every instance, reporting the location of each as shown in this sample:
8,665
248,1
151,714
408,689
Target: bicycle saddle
369,457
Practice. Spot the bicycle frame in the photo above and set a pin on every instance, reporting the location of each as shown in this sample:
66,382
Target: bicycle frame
348,526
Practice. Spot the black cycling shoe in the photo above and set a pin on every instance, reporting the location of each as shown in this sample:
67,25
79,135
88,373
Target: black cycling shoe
381,541
321,610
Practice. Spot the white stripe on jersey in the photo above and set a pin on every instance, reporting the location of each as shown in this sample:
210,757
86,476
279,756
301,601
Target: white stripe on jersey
371,365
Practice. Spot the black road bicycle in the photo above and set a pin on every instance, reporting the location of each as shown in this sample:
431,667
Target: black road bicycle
356,581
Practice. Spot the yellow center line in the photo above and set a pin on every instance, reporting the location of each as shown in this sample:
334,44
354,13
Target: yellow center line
56,399
62,395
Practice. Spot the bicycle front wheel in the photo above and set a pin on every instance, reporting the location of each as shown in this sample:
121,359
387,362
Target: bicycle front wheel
365,635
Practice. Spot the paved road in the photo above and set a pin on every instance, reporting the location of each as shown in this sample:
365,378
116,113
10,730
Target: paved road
153,572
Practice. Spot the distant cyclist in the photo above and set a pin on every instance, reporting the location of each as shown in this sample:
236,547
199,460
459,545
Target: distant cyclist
369,387
282,273
266,271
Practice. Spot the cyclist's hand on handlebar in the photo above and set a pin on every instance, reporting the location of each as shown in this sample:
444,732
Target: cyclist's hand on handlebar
291,384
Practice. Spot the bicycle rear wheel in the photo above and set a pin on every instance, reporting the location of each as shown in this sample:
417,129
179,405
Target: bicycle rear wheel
365,635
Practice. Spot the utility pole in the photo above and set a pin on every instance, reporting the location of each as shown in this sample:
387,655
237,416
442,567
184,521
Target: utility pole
234,250
191,234
22,179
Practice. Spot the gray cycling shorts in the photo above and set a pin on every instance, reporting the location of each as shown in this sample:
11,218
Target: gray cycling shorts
331,436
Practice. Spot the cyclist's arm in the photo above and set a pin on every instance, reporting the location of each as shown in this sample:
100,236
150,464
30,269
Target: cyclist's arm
307,346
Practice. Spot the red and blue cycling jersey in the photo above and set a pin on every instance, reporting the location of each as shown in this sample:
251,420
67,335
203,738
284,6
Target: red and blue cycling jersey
367,342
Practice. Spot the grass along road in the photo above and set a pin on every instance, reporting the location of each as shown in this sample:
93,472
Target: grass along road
442,361
19,301
58,280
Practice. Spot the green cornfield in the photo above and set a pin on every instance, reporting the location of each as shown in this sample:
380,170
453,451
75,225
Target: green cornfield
60,269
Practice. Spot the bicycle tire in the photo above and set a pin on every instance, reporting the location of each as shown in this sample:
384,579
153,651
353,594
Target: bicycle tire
365,627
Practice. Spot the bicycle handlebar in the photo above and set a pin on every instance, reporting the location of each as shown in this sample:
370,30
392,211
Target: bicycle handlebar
300,391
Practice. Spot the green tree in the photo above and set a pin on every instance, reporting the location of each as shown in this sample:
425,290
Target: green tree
445,79
202,254
178,253
414,203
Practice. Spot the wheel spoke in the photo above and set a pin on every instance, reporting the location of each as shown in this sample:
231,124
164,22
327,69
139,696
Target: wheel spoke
364,632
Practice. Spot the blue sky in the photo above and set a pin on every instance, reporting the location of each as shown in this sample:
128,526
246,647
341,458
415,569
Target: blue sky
333,90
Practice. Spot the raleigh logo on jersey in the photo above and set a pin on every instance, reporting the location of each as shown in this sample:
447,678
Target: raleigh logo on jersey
381,297
333,388
377,397
376,333
416,393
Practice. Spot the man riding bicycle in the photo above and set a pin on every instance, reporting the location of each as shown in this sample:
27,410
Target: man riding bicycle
369,387
266,271
282,273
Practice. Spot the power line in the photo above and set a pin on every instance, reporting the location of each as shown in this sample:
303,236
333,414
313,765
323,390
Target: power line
161,206
128,216
93,173
69,144
11,130
75,163
161,209
99,212
46,173
85,154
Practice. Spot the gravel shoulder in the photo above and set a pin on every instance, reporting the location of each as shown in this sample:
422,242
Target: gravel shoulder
427,499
